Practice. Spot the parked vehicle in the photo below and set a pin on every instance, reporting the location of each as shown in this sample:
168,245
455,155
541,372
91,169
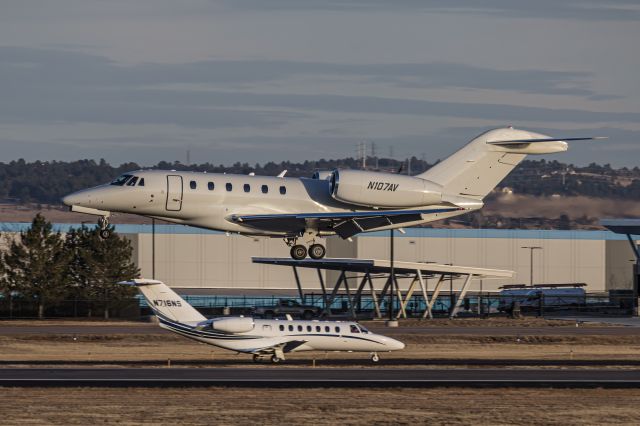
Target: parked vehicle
529,297
287,306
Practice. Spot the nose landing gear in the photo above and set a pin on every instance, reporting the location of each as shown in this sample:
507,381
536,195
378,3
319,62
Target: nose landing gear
105,232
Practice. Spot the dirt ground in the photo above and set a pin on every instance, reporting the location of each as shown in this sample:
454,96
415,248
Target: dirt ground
230,406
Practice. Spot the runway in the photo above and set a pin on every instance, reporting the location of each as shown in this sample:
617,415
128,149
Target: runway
72,329
279,376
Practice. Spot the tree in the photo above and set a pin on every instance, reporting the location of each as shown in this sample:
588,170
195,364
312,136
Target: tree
35,263
96,266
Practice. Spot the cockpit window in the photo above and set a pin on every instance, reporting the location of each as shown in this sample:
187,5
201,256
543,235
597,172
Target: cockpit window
132,181
141,182
120,180
354,328
363,329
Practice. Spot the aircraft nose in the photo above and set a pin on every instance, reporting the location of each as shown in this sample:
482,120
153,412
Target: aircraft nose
75,198
396,345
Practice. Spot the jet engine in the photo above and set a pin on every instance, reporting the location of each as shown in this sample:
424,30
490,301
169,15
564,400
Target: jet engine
374,189
232,325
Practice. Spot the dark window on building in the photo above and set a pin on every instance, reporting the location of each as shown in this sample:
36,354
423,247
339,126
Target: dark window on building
281,327
229,187
283,190
290,328
211,186
133,181
265,189
247,187
192,184
141,183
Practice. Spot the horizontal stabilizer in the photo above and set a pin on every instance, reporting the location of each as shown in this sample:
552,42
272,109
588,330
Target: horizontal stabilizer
525,141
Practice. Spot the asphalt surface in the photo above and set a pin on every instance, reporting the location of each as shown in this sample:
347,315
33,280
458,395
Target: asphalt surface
71,329
277,376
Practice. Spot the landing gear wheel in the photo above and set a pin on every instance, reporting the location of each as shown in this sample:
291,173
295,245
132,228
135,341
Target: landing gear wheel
298,252
375,357
275,359
105,233
317,251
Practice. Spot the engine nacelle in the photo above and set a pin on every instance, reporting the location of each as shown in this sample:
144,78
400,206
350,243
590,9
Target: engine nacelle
233,324
322,174
373,189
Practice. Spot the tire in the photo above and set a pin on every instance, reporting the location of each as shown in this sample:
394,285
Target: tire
375,357
298,252
317,251
275,359
105,233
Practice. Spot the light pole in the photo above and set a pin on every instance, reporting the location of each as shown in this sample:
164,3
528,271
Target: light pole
531,249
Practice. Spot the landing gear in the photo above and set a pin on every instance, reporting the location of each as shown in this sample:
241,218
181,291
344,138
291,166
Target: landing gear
375,357
298,252
275,359
105,232
317,251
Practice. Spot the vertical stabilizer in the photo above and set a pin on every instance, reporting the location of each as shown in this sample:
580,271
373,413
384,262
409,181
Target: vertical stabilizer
166,302
478,167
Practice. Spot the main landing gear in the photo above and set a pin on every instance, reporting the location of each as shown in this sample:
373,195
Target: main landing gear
374,357
315,251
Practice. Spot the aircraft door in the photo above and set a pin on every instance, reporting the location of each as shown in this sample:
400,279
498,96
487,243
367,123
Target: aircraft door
174,193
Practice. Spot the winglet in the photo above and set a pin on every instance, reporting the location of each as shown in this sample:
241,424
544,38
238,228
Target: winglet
282,173
527,141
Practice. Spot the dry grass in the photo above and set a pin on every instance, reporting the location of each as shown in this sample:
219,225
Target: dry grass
228,406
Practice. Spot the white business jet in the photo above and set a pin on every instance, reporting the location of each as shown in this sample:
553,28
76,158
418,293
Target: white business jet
342,202
264,338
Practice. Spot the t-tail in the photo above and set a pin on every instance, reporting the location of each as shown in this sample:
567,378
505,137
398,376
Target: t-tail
478,167
166,303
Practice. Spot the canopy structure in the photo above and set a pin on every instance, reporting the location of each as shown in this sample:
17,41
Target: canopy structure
628,227
418,271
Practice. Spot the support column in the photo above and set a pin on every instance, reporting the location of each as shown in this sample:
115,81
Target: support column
460,298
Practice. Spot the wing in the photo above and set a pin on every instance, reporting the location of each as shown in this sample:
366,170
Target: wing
284,346
344,224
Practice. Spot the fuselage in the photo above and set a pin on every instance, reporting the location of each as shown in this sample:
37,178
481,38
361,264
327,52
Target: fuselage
209,200
313,336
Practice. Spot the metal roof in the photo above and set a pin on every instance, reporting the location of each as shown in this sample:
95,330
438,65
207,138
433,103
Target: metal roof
377,266
622,226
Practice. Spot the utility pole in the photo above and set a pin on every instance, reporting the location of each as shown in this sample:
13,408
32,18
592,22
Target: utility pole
392,278
531,249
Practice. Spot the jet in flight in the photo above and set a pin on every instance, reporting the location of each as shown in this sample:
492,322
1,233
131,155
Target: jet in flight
339,202
263,338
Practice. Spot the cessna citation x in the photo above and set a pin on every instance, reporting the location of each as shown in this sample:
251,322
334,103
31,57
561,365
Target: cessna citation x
342,202
260,337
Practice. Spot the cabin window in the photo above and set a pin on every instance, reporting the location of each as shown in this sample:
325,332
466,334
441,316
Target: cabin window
337,329
327,329
318,329
133,181
229,186
299,328
354,328
119,181
211,186
290,328
283,190
247,187
141,183
192,184
281,327
309,329
265,189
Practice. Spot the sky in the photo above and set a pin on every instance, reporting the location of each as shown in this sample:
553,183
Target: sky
272,80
